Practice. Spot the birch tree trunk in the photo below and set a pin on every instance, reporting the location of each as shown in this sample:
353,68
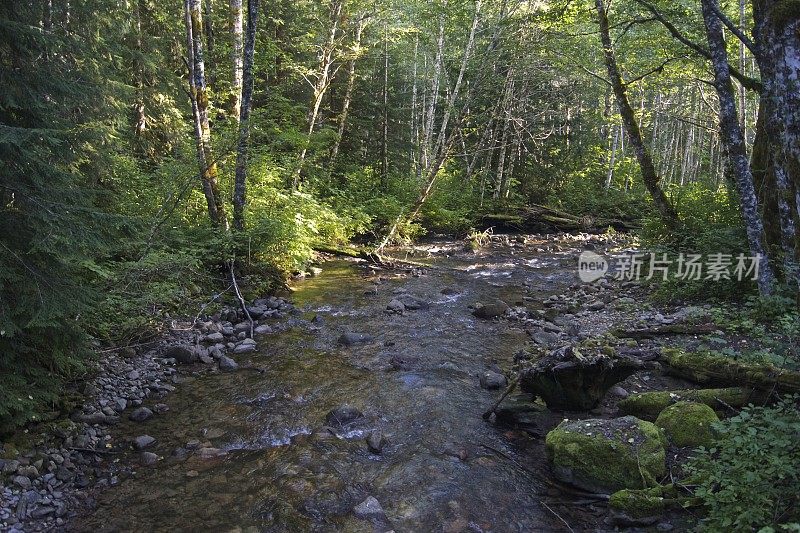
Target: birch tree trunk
649,176
348,95
732,137
236,55
321,85
208,28
240,183
385,121
198,93
434,97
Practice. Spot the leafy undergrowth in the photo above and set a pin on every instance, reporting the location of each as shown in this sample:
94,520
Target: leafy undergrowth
750,477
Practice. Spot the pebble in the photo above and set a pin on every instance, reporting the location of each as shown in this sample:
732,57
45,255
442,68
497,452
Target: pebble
143,441
227,364
376,441
141,414
492,380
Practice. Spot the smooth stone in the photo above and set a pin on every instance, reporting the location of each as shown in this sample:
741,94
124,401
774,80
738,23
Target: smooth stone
343,415
395,306
243,348
492,380
349,338
143,441
376,441
148,458
141,414
182,354
369,508
227,364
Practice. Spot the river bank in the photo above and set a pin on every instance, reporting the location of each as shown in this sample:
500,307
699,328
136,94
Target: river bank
358,407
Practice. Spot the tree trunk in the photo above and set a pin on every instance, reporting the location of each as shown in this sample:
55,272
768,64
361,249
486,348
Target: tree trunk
320,87
236,55
777,31
385,124
427,143
348,95
240,185
649,176
198,93
732,137
208,28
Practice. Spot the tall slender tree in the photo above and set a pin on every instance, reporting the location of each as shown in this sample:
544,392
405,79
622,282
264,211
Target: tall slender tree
240,184
733,139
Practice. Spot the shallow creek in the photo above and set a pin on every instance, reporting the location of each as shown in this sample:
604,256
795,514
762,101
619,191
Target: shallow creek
443,467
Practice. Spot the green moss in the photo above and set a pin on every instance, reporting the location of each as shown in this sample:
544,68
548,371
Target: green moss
648,405
638,504
607,455
688,424
705,367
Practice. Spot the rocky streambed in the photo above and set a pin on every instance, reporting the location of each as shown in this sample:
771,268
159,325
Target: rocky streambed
357,406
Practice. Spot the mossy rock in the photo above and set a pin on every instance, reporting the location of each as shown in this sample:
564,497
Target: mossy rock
632,507
648,405
688,424
607,455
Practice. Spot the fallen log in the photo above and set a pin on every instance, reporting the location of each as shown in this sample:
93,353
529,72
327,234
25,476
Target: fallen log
705,367
537,218
648,405
666,329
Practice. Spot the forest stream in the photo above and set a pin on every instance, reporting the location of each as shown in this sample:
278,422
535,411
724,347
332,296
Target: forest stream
415,380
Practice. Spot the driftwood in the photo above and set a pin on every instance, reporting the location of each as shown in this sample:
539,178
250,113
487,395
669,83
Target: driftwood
509,390
704,367
241,298
567,380
542,219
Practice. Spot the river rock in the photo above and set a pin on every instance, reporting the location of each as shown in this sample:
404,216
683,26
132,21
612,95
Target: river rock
148,458
141,414
182,354
227,364
213,338
607,455
143,441
210,453
23,482
246,346
491,309
688,424
632,507
395,306
411,302
349,338
376,441
492,380
543,338
343,415
263,329
369,509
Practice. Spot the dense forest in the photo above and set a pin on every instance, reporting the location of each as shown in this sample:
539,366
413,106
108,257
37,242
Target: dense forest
165,160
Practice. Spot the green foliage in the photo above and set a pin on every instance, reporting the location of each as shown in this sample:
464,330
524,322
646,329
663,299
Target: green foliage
585,194
750,477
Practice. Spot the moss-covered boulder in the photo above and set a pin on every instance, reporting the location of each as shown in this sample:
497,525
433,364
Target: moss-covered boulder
631,507
607,455
648,405
688,424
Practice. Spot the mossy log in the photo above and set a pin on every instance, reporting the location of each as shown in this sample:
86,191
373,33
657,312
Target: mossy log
539,218
704,367
648,405
666,329
567,380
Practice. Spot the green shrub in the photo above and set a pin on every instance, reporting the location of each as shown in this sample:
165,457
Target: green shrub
751,476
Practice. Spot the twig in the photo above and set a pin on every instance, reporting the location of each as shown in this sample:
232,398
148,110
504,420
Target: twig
241,299
89,450
509,390
558,516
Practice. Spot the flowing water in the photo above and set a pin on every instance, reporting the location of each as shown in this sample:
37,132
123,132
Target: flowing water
443,467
